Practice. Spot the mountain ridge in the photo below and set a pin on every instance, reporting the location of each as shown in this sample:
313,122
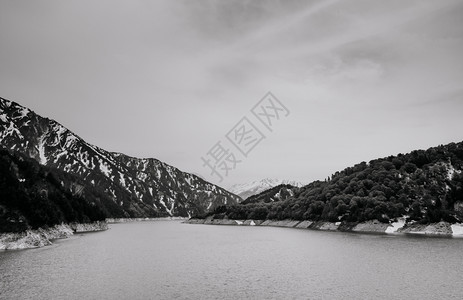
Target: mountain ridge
144,187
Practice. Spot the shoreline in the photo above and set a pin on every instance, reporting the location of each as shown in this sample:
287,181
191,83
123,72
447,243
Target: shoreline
37,238
443,229
128,220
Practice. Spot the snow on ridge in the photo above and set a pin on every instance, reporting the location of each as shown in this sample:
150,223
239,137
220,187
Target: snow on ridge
102,153
59,130
23,112
122,180
10,131
165,206
3,118
41,149
172,206
70,139
58,156
142,176
104,168
7,103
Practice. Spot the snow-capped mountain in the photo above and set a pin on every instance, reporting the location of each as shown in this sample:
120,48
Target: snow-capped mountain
140,187
245,190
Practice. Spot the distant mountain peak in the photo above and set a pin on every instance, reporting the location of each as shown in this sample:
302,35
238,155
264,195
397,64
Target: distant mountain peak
247,189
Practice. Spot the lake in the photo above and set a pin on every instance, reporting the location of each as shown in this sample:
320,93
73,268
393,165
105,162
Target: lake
171,260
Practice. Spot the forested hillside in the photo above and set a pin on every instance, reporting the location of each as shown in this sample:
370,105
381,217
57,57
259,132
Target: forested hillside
277,193
426,185
32,196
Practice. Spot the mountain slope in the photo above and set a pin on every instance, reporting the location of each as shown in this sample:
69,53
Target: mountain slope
139,187
33,196
426,186
248,189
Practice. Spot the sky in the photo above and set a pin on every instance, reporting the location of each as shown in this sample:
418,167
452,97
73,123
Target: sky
170,79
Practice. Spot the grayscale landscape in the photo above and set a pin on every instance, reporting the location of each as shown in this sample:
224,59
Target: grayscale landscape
237,149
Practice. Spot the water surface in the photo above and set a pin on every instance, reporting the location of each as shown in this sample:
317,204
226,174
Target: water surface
171,260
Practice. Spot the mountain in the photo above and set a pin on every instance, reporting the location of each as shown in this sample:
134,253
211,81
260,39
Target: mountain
426,186
138,187
245,190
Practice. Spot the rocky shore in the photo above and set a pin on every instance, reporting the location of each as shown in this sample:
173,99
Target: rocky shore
374,226
42,237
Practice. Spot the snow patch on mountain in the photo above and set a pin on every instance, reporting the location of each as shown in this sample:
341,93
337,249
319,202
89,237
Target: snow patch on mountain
12,129
3,118
169,210
104,169
23,112
43,159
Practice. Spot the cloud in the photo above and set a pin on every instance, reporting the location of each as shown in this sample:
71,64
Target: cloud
169,78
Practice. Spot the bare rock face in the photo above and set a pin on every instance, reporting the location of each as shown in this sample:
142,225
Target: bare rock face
43,237
371,226
441,228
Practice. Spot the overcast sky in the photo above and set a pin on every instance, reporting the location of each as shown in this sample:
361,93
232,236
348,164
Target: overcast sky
169,79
